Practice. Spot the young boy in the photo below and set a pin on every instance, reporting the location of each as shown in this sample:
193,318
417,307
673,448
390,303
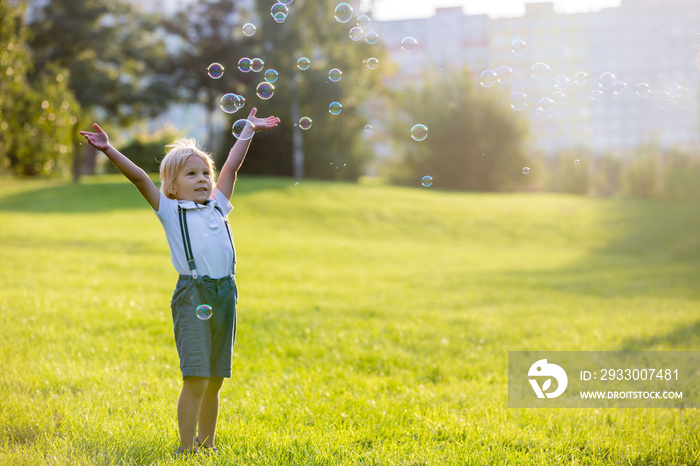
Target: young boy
193,207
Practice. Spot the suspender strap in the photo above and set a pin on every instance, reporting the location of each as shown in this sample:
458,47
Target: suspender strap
230,236
182,213
186,239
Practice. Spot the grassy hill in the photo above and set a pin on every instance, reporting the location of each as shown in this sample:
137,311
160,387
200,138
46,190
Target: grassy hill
374,324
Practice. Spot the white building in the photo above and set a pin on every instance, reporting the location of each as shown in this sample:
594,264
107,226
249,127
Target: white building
651,46
447,41
647,48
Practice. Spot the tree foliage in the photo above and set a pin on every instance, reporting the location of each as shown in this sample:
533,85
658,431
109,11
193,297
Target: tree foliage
332,147
147,148
36,117
113,53
203,32
114,56
474,143
571,172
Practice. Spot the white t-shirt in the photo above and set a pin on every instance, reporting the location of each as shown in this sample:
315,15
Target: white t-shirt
211,244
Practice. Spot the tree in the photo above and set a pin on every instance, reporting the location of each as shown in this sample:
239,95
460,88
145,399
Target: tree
332,148
607,172
114,56
681,175
204,34
642,175
35,118
571,171
474,142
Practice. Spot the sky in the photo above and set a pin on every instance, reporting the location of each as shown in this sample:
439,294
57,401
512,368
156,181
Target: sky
403,9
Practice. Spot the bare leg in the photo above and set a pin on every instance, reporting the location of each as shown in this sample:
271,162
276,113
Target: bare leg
209,412
188,408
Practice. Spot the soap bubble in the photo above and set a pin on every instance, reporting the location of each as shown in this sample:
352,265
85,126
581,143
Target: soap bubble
518,100
303,63
368,128
243,129
670,104
674,90
335,108
505,74
581,78
279,12
597,95
540,71
265,90
409,44
271,75
229,103
606,80
335,75
257,65
488,78
371,37
363,21
356,33
517,47
427,181
558,97
204,312
215,70
305,123
526,170
343,12
240,102
244,64
372,63
643,90
546,104
618,88
562,82
248,29
541,114
419,132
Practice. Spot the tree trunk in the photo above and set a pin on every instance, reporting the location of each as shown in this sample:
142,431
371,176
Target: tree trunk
297,142
90,162
84,159
77,158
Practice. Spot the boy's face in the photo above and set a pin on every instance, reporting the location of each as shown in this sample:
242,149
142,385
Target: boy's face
193,182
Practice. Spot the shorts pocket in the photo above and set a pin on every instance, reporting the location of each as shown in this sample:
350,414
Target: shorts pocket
183,293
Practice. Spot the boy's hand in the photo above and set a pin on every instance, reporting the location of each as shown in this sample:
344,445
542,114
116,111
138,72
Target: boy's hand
98,140
262,123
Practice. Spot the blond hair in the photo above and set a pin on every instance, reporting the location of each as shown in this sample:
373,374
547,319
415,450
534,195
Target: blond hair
180,150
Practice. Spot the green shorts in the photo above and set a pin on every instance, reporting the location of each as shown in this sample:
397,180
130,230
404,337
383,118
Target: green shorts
205,346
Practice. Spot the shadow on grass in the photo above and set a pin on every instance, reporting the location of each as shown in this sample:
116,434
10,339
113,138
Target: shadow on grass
682,337
75,198
654,229
604,277
653,254
653,249
95,196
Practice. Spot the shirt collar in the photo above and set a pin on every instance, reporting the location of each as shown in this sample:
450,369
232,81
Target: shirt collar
210,204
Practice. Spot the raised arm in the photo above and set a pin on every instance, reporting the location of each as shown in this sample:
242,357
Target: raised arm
227,176
129,169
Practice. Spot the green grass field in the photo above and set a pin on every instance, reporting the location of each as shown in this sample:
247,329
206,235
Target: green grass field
374,324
